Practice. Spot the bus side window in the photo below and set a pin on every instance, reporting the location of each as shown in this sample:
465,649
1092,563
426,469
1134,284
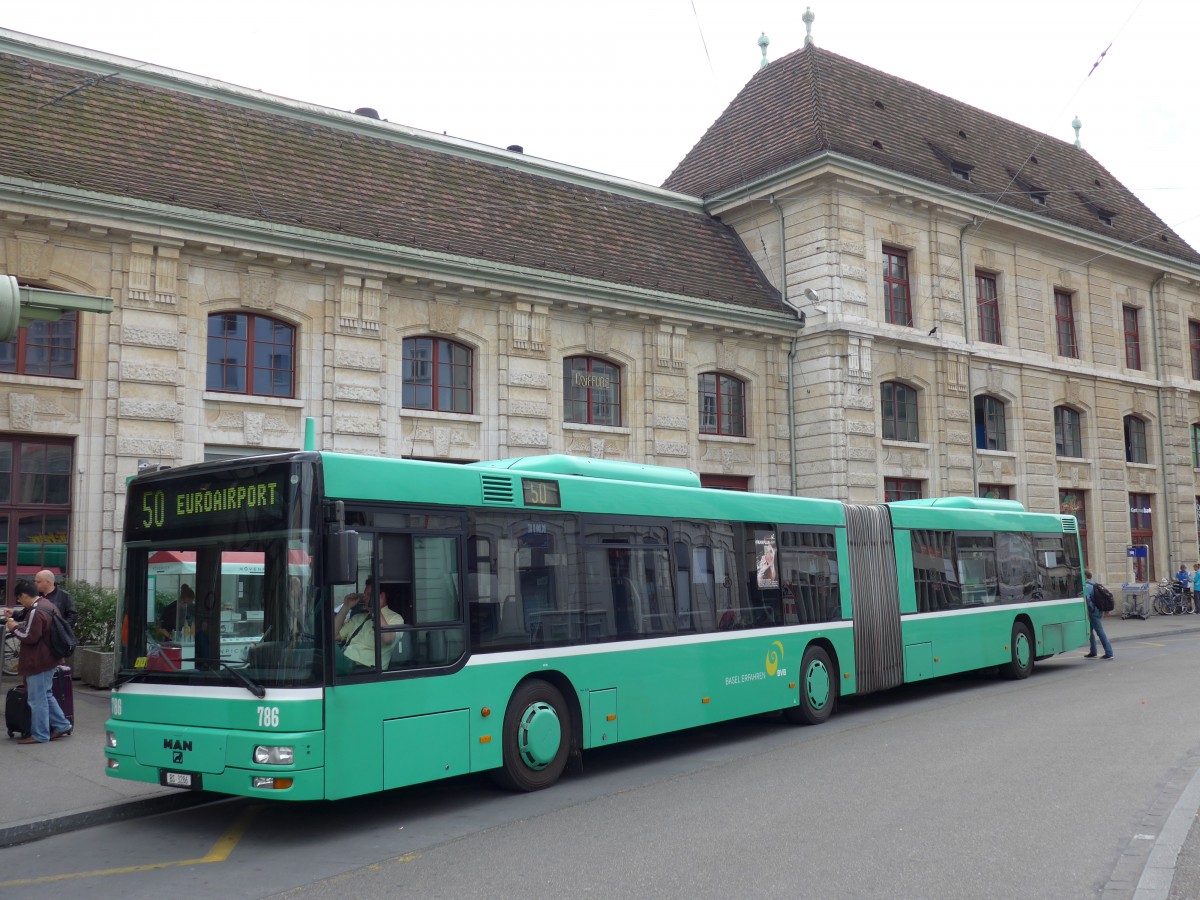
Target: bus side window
935,579
482,589
396,571
683,587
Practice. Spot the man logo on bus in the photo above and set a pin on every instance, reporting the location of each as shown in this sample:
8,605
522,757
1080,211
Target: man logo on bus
774,658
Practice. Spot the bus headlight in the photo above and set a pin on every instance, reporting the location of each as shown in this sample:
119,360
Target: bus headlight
110,738
274,756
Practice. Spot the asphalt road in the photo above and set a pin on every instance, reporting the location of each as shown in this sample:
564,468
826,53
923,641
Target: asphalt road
968,788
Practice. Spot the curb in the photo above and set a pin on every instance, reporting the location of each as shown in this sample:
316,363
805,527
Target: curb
36,829
1154,634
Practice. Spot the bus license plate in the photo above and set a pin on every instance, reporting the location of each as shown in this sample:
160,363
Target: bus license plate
189,781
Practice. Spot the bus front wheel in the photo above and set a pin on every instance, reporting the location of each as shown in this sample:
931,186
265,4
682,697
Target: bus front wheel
1022,652
818,689
537,737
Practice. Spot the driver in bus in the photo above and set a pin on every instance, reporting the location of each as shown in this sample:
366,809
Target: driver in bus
355,626
178,619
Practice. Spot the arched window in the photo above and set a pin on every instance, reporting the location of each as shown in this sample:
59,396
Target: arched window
591,391
251,354
42,348
1135,440
722,404
1068,436
990,430
899,403
438,374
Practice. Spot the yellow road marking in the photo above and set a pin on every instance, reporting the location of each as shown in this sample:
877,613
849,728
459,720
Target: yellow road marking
219,853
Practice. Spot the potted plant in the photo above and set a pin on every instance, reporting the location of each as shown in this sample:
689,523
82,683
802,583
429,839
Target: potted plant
96,631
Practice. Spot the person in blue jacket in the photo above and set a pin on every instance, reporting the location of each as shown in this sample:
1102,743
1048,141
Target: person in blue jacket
1095,618
1185,579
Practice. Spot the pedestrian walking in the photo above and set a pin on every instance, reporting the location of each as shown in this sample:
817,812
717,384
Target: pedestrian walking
1195,587
1095,619
1184,577
48,588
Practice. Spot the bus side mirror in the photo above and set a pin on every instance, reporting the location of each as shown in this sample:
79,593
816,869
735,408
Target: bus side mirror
341,557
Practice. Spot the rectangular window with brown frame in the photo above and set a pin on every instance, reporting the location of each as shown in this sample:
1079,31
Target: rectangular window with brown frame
897,299
1194,345
1133,338
1064,324
987,299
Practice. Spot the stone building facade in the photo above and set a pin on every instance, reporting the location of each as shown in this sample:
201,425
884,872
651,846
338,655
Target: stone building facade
354,244
1064,376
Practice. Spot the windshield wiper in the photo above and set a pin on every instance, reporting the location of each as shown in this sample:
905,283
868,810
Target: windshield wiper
136,673
249,684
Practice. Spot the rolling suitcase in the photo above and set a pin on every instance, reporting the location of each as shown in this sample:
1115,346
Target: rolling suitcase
63,692
17,715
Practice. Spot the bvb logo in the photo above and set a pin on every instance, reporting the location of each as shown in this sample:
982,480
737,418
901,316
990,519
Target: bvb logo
774,658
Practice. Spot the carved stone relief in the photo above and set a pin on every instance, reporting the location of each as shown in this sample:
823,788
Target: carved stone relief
258,289
671,346
29,256
599,337
445,317
520,378
671,448
528,437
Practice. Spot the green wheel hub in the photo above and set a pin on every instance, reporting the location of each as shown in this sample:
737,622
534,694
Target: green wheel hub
817,685
1022,651
539,735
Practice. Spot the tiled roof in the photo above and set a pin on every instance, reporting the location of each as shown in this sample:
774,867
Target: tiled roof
189,149
813,102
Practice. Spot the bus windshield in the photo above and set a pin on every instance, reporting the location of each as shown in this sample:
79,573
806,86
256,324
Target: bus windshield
223,590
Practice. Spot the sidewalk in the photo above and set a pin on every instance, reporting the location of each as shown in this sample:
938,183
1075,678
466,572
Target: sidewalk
62,786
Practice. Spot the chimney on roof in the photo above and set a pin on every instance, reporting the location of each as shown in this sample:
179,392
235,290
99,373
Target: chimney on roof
366,111
808,20
763,40
515,148
1076,124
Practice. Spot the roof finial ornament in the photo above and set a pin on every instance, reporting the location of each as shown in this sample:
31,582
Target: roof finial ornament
1076,124
808,20
763,40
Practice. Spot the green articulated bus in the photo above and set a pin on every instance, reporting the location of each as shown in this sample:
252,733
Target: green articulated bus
427,620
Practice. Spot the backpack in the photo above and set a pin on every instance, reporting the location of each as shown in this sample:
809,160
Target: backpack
1102,598
61,637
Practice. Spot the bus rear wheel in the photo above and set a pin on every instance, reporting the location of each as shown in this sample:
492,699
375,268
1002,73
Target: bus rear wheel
818,689
537,737
1022,650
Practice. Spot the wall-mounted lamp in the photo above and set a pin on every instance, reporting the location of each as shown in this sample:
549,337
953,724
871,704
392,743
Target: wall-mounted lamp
811,296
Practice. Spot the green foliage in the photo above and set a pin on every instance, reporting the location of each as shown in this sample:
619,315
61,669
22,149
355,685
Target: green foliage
97,608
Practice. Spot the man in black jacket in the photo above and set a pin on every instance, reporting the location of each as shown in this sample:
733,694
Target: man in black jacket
56,595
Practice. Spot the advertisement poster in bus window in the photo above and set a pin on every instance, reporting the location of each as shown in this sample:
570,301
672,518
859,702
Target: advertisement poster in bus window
768,570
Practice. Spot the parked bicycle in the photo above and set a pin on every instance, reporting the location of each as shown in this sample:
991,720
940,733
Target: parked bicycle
1172,598
12,648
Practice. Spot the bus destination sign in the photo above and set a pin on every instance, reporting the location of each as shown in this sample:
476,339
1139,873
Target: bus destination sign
540,492
165,507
